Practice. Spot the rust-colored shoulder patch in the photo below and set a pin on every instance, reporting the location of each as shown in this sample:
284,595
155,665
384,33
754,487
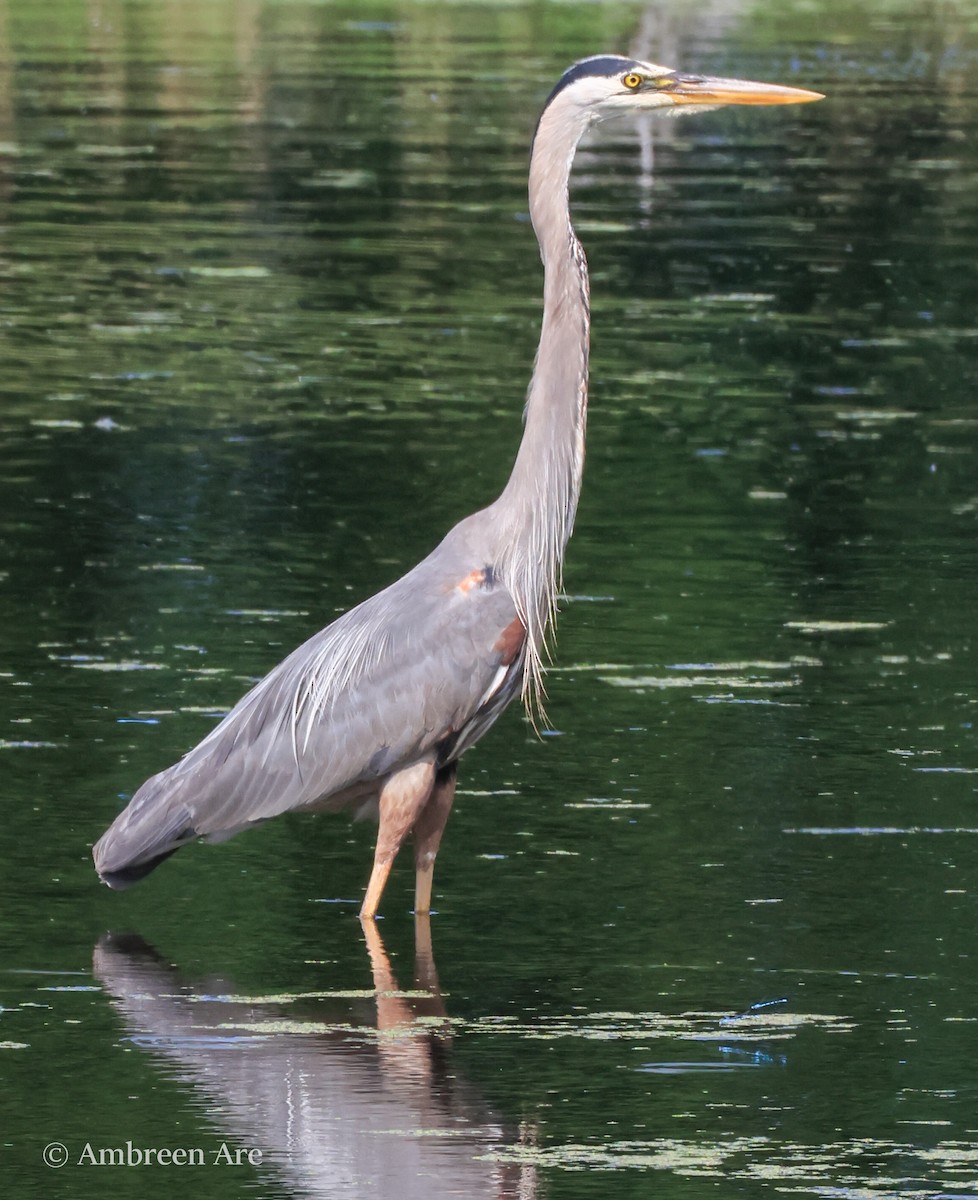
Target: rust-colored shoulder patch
474,579
510,641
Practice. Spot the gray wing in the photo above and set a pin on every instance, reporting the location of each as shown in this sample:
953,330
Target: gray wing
421,668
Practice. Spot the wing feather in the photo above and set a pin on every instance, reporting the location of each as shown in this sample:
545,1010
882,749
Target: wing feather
383,685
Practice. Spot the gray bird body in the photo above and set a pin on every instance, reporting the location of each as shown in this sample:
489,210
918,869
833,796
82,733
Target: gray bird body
422,668
374,711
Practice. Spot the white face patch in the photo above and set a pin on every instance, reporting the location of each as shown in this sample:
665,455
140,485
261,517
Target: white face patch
607,95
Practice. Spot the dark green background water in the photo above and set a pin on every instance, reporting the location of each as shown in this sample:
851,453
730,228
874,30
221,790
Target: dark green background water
268,300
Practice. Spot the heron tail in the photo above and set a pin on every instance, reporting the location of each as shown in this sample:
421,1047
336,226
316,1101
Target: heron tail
154,825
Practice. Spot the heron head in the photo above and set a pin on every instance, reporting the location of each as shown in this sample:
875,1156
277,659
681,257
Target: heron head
610,84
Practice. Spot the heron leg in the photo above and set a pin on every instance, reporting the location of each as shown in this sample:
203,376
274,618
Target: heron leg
402,798
428,829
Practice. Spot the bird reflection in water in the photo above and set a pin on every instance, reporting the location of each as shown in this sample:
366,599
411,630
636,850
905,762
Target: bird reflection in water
338,1107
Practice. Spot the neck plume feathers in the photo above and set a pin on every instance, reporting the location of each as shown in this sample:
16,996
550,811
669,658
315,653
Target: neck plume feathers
538,505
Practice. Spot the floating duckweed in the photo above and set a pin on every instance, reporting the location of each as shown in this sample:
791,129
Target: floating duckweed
291,997
835,626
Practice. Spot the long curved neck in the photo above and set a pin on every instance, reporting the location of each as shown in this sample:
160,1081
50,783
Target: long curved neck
538,504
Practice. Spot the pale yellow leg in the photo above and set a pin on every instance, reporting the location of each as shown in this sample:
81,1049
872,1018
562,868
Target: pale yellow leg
375,888
402,799
427,835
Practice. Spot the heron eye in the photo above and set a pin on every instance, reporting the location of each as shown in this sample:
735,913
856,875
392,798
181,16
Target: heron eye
632,81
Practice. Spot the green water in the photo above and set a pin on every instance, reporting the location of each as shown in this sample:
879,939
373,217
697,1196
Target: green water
268,300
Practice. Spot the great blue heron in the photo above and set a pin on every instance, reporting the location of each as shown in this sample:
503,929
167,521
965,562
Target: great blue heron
374,712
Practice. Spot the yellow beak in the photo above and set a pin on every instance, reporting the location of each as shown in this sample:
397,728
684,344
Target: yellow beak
697,89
